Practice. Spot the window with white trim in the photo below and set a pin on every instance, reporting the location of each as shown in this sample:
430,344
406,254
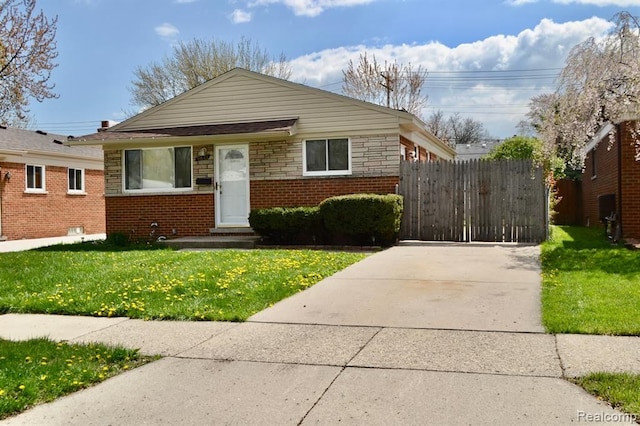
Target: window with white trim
327,157
76,180
35,178
157,169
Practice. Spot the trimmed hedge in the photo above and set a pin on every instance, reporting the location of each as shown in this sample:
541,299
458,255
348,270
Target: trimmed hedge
359,219
369,218
288,225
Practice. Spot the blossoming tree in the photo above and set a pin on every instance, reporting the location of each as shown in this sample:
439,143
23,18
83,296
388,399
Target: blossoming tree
599,84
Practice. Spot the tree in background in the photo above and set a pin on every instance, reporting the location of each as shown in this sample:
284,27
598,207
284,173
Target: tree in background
467,130
455,129
524,148
197,61
599,83
27,52
392,84
439,126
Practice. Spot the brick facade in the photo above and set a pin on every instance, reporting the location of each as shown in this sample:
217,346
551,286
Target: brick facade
630,185
616,172
52,213
423,154
311,191
176,215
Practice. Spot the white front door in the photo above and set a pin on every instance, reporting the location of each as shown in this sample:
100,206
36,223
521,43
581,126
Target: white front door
232,185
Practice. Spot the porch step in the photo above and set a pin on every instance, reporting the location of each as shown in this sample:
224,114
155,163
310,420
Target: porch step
213,242
232,232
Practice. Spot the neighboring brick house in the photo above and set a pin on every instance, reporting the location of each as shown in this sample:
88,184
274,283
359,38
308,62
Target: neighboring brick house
611,180
199,162
48,189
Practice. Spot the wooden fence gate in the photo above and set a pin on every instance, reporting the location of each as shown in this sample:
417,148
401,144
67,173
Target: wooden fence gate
477,200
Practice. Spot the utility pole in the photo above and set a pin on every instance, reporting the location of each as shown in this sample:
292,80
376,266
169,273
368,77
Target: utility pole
388,81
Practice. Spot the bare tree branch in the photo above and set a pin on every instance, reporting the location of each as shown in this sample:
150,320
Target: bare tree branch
392,84
195,62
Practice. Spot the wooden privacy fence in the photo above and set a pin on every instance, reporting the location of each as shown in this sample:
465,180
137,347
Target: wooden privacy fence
477,200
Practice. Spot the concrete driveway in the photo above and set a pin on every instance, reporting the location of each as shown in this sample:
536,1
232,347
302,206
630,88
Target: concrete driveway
427,285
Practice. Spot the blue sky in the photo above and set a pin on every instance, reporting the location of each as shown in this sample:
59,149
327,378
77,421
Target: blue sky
485,58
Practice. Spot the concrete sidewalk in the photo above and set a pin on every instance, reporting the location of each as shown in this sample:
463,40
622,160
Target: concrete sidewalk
399,338
28,244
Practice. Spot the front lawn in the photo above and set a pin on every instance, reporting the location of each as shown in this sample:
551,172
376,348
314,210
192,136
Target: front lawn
224,285
588,285
622,391
38,370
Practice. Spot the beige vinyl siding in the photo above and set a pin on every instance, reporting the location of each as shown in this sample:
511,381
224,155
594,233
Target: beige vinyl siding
243,98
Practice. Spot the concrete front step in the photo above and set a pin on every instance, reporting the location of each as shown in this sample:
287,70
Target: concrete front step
213,242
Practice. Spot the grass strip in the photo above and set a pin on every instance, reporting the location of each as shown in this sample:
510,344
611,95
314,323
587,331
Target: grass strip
39,370
621,390
224,285
589,286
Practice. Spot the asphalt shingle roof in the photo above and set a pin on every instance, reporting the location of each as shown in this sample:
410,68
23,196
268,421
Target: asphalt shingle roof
15,139
200,130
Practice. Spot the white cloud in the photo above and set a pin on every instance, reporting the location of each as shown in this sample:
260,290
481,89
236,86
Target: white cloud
184,1
167,30
310,7
240,16
491,80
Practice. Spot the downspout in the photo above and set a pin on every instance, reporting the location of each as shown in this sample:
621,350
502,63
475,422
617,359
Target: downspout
618,235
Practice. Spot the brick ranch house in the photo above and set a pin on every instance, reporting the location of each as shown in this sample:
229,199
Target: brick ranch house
610,184
611,180
199,162
48,189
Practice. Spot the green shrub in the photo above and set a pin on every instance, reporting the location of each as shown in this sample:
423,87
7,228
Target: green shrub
369,218
288,225
118,239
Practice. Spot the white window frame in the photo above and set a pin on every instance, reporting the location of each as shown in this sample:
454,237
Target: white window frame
156,190
35,190
306,172
82,181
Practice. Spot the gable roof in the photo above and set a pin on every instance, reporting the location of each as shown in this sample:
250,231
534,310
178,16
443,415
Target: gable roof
20,141
240,98
138,121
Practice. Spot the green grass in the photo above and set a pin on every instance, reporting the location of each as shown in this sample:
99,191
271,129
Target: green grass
620,390
38,371
92,279
589,286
